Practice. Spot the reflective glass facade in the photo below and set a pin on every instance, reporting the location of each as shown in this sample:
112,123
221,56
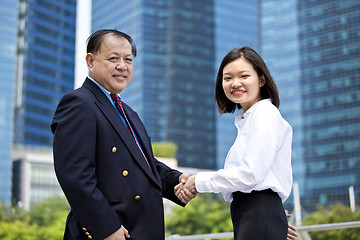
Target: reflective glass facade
190,111
8,19
173,81
281,31
46,66
146,22
236,25
313,50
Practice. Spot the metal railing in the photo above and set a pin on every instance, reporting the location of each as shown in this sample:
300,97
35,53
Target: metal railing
310,228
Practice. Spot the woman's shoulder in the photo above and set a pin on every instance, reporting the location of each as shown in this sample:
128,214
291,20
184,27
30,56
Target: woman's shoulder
265,107
267,111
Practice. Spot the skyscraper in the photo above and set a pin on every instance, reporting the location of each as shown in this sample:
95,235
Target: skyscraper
190,112
280,50
313,49
8,19
173,81
46,53
237,24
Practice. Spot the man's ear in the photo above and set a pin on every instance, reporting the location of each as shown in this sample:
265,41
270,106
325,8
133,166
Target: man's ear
89,58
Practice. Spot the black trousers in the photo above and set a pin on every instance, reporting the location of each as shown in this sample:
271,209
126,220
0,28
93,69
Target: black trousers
258,215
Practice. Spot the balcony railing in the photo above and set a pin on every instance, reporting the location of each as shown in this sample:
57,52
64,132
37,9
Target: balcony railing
310,228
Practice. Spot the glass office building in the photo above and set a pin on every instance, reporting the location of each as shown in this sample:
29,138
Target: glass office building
173,82
8,19
280,50
236,25
313,50
46,48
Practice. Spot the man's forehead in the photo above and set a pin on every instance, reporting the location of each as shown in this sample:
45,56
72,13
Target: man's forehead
112,37
111,42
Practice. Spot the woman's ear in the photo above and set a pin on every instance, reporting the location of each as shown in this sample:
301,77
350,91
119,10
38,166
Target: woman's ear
262,80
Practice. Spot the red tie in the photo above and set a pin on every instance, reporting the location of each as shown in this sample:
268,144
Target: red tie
119,106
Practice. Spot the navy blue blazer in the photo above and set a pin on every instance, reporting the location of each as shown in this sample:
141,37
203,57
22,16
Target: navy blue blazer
102,172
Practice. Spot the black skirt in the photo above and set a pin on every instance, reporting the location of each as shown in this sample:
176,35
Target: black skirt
258,215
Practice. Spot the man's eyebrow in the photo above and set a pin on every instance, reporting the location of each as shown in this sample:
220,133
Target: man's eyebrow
116,53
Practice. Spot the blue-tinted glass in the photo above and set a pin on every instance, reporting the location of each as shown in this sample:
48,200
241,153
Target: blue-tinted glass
8,19
172,86
236,25
46,72
311,48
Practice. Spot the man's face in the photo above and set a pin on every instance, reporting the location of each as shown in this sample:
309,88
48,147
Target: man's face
112,65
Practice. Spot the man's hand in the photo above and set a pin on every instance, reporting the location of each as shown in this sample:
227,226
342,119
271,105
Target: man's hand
120,234
183,178
185,190
183,194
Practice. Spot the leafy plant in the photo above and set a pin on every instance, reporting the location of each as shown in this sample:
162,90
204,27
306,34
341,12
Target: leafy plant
334,214
207,213
164,149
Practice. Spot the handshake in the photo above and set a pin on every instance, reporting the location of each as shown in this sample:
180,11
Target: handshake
186,189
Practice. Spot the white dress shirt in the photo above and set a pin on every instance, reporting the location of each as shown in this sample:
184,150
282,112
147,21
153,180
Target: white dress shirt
259,159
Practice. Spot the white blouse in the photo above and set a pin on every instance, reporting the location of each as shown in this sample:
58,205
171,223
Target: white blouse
259,159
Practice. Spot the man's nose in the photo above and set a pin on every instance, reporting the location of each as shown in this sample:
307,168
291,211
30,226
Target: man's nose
121,65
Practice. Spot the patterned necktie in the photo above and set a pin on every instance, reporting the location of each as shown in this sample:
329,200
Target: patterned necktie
119,106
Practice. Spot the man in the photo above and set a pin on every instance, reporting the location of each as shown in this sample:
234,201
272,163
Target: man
102,153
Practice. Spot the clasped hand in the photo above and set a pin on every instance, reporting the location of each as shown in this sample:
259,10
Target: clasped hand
186,189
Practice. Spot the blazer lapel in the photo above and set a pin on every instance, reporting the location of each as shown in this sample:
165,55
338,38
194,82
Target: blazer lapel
140,132
113,117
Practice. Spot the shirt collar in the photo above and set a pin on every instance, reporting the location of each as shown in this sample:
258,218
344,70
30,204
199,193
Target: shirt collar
106,92
257,104
244,114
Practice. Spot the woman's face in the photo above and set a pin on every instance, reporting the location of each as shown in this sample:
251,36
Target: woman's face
241,83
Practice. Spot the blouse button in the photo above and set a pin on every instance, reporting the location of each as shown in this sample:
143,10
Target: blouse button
114,149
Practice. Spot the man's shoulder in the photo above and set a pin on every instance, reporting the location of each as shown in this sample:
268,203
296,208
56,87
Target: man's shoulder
76,94
84,91
80,98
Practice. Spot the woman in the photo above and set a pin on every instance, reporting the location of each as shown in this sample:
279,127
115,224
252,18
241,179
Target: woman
257,176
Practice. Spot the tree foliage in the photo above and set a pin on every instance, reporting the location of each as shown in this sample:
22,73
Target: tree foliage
207,213
164,149
48,211
18,230
44,221
334,214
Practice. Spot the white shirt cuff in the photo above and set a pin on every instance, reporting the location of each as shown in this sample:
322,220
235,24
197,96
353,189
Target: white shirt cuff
203,183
